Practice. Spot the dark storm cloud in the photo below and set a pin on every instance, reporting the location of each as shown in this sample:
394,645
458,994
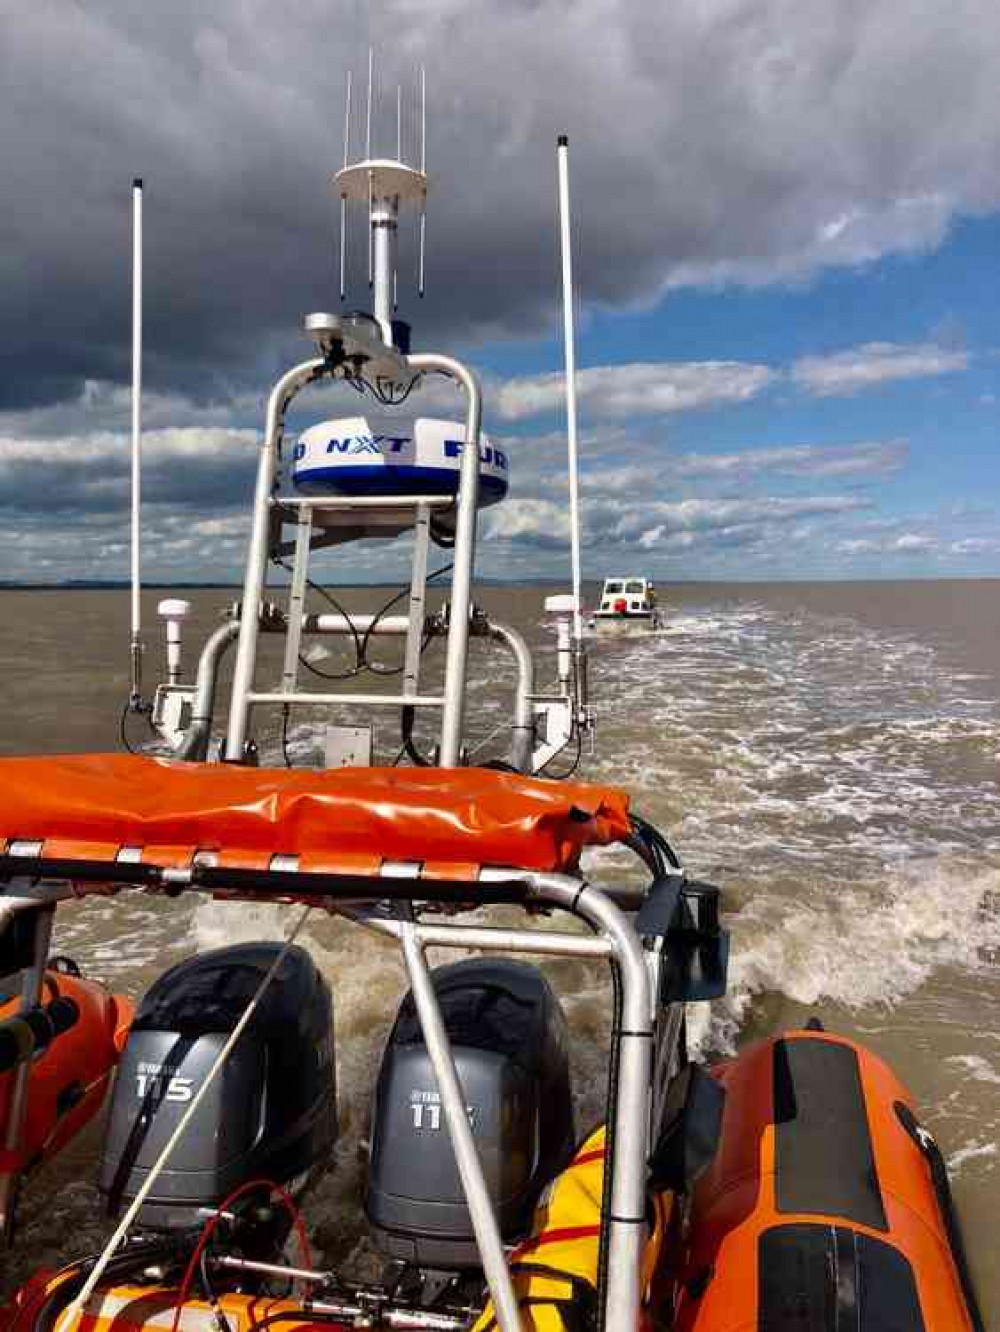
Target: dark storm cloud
728,140
197,469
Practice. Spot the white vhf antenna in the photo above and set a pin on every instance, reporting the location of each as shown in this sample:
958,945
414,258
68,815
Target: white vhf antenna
571,434
383,183
135,697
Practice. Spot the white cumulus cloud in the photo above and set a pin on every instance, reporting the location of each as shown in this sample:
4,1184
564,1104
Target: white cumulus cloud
874,363
637,389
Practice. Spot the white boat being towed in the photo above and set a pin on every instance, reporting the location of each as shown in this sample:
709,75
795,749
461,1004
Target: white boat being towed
626,605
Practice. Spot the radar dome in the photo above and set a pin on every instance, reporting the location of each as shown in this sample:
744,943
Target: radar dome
358,456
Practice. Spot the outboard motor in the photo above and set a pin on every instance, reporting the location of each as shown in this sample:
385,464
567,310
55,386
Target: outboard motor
510,1043
271,1111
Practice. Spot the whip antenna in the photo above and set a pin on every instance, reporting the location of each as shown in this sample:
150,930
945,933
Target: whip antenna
135,697
343,197
423,172
570,342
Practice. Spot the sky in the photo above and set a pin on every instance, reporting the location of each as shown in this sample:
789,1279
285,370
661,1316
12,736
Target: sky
786,220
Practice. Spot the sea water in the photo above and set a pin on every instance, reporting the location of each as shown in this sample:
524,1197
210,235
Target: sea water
828,754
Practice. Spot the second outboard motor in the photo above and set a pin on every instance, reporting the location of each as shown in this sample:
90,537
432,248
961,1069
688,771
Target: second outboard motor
510,1043
270,1113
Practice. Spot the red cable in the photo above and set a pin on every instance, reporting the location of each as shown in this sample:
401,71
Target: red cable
283,1196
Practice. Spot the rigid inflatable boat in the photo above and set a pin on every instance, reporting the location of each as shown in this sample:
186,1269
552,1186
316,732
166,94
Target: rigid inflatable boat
788,1189
791,1187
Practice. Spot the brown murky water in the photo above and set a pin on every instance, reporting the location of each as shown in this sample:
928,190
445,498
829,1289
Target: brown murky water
829,753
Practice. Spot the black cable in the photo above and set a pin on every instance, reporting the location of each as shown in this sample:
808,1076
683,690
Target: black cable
564,776
441,536
384,390
407,717
285,715
380,615
656,842
358,666
144,710
374,667
122,732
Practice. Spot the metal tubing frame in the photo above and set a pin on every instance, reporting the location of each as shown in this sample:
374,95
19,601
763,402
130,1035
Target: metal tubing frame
305,698
522,740
384,228
628,1152
418,601
196,740
616,940
256,571
194,746
477,1195
465,556
243,696
490,939
630,1147
297,601
389,626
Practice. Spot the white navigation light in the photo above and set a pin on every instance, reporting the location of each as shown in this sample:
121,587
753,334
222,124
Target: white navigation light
355,455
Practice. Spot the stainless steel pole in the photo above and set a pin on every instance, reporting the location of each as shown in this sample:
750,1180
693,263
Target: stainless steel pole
196,738
484,1223
256,573
627,1227
522,741
465,556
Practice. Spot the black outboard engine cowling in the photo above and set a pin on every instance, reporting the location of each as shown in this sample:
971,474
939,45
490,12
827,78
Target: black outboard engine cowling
271,1112
511,1047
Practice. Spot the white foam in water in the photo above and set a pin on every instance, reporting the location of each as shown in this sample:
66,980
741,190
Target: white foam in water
977,1067
218,924
869,948
971,1151
840,784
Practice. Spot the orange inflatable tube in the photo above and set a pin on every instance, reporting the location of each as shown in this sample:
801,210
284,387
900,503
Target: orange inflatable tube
69,1076
89,806
821,1203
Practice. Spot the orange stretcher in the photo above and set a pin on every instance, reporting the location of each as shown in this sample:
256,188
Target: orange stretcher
94,807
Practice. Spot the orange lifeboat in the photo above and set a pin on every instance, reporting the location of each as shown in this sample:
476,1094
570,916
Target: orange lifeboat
825,1207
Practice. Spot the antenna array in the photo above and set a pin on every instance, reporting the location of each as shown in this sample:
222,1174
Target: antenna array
383,183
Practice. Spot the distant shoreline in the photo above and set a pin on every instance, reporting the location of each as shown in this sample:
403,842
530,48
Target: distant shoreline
116,585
